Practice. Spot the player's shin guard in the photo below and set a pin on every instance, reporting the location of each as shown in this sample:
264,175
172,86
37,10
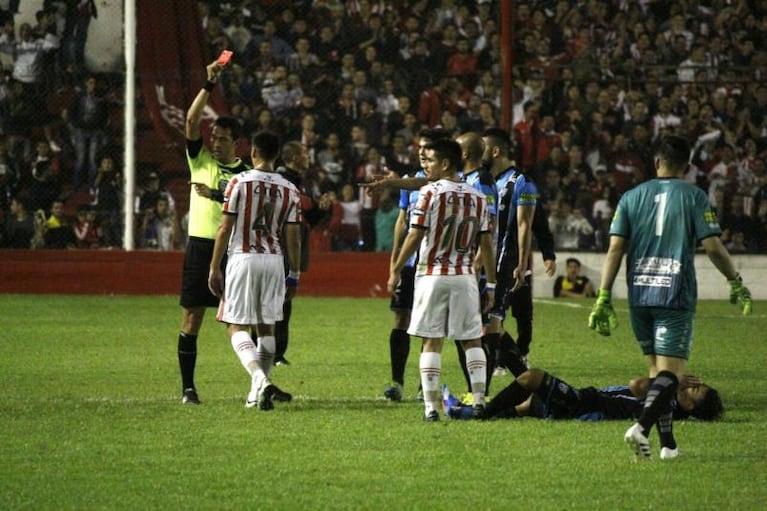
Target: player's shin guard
265,353
430,365
462,362
476,363
490,343
399,349
510,356
245,349
662,391
666,427
187,358
282,330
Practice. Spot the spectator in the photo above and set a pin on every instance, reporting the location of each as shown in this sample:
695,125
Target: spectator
347,233
396,119
385,218
159,227
57,232
372,121
86,228
29,52
150,192
737,243
278,48
43,187
238,33
735,219
108,202
20,226
432,102
333,160
9,176
75,35
570,228
463,62
303,61
371,167
573,284
87,115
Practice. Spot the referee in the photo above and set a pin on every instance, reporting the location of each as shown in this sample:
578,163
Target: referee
210,170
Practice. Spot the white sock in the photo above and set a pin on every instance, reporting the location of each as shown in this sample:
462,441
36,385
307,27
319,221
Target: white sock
265,353
476,363
431,367
243,345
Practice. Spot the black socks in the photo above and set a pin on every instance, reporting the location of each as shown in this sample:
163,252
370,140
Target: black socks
187,358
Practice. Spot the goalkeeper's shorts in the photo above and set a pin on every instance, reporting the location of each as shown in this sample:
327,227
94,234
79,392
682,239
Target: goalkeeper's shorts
660,331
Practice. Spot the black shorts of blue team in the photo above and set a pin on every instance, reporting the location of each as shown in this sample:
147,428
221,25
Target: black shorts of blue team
402,297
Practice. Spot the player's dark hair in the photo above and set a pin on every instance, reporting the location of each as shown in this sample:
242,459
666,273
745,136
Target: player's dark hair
231,124
267,144
433,134
572,260
499,137
674,151
711,408
446,148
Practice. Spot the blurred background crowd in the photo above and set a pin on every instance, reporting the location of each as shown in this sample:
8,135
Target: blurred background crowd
595,84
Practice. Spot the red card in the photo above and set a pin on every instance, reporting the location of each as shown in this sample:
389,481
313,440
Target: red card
224,58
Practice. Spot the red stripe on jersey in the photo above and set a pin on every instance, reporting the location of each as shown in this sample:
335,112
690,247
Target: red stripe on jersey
258,211
269,221
246,213
231,188
437,234
459,211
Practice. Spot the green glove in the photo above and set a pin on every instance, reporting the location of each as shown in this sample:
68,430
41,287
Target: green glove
603,317
740,293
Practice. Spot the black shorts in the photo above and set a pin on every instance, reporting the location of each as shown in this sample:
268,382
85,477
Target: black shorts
402,298
194,280
562,401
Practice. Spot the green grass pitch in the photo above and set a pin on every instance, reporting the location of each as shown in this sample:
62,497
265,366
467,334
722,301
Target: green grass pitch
90,417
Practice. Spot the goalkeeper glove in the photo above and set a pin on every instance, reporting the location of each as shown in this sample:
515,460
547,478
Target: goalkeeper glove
603,317
740,293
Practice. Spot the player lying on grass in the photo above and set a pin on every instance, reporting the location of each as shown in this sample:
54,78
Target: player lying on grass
536,393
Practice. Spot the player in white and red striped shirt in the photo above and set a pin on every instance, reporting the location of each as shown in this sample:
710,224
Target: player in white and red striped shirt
448,222
257,204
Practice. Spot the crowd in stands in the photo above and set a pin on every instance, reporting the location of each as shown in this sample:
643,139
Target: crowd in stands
595,85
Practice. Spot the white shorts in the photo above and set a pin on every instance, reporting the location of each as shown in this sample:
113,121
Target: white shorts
254,290
446,306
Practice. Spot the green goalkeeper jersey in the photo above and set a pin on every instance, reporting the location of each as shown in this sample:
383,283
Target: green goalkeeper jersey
663,221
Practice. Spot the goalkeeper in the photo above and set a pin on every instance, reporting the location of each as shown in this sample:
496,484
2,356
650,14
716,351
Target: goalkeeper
658,225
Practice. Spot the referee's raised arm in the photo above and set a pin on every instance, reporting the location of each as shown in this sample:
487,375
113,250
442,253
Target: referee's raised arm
194,114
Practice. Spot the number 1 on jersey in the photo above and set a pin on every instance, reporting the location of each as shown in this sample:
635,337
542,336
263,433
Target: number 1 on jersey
660,214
